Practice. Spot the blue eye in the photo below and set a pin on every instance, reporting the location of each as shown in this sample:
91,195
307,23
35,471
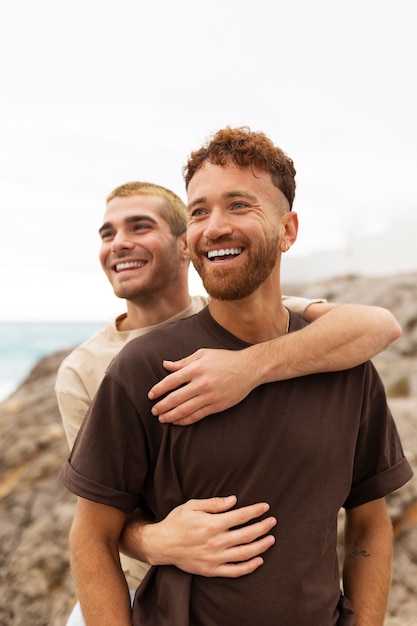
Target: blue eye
197,213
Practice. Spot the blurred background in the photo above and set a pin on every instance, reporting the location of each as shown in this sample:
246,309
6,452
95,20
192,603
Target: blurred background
95,94
98,93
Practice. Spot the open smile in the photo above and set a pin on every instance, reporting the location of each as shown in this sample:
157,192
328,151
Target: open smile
220,255
128,265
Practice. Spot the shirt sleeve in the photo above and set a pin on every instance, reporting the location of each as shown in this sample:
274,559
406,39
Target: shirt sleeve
299,304
73,401
380,466
109,461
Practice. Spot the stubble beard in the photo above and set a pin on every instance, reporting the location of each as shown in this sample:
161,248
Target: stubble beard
141,289
225,283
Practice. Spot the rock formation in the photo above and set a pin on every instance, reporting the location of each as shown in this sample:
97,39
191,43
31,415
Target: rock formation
36,511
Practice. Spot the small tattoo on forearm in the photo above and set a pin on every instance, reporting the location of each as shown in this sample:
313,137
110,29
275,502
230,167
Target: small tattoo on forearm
356,551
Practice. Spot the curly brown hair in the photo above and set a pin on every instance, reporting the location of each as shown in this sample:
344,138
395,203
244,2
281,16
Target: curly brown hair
245,148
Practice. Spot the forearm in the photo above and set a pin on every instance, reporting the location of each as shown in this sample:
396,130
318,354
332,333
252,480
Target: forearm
210,381
358,321
137,540
95,565
102,589
148,542
367,571
347,335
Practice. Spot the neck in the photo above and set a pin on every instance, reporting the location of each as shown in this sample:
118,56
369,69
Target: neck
143,314
254,319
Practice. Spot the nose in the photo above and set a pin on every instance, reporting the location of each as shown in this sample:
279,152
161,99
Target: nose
217,225
121,241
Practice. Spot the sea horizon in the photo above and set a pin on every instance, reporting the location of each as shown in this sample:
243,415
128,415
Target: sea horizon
24,343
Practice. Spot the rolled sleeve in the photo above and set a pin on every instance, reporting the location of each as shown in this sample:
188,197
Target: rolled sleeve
380,485
90,490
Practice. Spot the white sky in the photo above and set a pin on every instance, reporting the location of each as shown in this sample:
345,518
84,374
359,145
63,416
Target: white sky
97,93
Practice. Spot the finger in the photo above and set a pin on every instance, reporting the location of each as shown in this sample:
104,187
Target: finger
213,505
238,554
240,560
182,372
235,570
167,384
184,413
174,366
250,533
178,404
191,418
236,517
243,515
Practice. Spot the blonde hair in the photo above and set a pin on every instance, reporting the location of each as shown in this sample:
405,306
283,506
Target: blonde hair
173,211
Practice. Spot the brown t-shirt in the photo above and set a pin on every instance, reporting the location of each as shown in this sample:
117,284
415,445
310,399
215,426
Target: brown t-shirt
307,446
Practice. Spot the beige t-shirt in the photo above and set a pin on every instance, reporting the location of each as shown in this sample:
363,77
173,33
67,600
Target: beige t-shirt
81,372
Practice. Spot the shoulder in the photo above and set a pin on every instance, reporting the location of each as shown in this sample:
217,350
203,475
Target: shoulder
198,303
172,341
90,359
89,347
165,335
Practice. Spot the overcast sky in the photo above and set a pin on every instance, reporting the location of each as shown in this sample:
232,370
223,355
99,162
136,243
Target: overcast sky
97,93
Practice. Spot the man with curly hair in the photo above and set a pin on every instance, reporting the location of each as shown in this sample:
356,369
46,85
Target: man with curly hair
306,446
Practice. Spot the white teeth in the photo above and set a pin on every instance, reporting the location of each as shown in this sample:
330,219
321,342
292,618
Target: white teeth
227,252
125,266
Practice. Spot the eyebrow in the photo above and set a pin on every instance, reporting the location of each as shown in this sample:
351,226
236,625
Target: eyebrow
230,194
132,219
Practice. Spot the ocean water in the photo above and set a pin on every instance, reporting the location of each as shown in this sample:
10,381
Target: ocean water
22,344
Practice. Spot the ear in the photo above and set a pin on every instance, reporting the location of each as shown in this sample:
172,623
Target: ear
182,247
289,230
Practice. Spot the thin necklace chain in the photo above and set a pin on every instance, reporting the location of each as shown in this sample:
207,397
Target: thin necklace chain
287,328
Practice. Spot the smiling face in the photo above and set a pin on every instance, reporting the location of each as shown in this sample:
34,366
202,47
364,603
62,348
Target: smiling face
237,220
139,254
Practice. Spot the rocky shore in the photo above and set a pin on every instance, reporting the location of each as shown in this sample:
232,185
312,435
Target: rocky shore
36,511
